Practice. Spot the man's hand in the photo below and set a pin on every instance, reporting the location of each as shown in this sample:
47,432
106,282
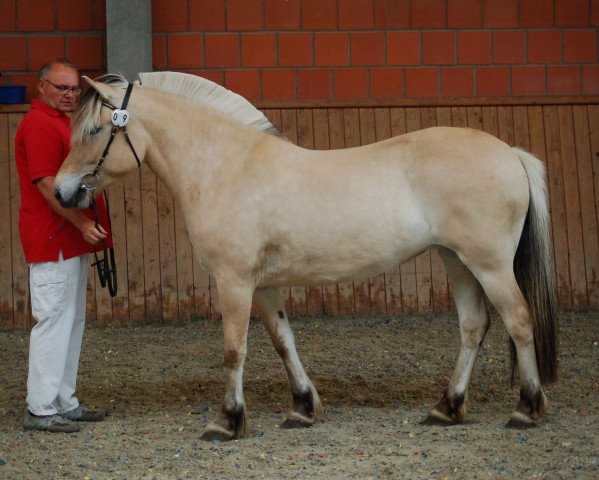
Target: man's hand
88,229
91,234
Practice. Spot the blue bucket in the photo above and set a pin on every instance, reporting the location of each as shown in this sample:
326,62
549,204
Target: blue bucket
12,94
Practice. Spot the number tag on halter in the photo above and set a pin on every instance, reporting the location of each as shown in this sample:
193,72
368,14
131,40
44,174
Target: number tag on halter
120,118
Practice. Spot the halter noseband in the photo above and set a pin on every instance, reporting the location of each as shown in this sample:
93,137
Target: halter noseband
120,119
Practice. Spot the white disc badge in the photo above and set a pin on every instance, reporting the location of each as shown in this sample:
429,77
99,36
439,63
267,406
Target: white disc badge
120,118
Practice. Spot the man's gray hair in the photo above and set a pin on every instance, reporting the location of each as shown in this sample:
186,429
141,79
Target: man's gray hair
59,61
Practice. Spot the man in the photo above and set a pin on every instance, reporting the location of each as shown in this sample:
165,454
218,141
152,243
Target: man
56,242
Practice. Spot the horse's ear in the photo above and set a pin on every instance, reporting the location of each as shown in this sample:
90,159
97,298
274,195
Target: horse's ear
105,91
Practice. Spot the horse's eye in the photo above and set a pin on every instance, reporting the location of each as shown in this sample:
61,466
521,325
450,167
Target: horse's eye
95,130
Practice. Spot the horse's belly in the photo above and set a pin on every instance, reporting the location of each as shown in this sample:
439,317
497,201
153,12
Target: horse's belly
334,267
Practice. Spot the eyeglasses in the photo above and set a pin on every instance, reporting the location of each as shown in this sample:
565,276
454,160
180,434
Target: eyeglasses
63,89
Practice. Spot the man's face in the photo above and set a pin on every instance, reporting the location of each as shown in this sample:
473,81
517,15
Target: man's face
57,79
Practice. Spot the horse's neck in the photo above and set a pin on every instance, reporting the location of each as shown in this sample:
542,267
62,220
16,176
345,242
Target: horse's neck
194,148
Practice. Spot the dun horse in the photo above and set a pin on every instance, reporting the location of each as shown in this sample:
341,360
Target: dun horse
263,213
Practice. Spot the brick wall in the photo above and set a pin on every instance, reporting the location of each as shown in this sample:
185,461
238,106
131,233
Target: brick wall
332,49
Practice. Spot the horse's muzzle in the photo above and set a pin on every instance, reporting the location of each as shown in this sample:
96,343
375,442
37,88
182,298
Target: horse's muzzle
79,199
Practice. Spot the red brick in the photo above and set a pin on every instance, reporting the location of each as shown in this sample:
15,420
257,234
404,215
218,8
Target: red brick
464,13
169,16
536,13
184,51
509,46
367,48
244,82
438,48
79,18
295,49
391,14
563,80
44,49
8,19
403,48
422,82
221,50
350,83
590,80
314,84
319,14
282,15
258,50
580,46
457,82
387,83
215,76
13,53
428,14
207,15
331,49
356,15
100,15
544,46
278,84
244,15
572,13
474,48
86,52
492,81
594,13
159,52
35,15
527,81
500,14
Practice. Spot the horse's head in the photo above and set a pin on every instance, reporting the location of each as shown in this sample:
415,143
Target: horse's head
105,145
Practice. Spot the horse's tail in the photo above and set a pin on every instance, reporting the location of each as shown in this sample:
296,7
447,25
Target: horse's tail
534,270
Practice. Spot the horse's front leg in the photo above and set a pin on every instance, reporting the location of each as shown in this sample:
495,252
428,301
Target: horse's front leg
306,402
235,301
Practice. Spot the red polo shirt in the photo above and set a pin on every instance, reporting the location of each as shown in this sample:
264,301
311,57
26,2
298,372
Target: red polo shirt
42,143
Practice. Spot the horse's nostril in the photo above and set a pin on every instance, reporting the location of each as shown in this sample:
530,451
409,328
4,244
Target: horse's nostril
58,195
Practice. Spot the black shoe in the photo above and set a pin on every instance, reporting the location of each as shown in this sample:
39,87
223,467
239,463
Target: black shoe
82,414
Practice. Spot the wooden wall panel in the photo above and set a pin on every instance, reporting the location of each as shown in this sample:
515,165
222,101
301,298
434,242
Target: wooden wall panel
6,290
161,280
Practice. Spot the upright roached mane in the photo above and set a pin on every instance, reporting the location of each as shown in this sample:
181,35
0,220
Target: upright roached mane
263,213
210,94
196,88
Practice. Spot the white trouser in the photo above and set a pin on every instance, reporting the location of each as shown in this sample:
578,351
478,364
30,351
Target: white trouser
58,300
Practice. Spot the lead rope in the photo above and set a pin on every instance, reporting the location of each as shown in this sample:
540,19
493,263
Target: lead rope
106,271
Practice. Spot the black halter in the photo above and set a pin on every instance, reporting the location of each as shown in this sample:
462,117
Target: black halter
90,181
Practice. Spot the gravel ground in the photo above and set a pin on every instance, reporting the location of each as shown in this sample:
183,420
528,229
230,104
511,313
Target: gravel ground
377,378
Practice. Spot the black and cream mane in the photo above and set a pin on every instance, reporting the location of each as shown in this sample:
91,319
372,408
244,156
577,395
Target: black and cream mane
87,115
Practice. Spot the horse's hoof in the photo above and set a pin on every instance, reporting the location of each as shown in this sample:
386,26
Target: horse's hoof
290,423
216,435
435,417
520,421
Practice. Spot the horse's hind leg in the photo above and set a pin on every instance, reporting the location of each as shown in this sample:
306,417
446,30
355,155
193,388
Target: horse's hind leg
503,291
474,323
306,402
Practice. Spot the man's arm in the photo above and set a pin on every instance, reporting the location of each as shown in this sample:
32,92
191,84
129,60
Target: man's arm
86,225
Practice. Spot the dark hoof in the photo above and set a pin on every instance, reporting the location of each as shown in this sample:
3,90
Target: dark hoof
432,420
216,436
519,421
442,414
290,423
